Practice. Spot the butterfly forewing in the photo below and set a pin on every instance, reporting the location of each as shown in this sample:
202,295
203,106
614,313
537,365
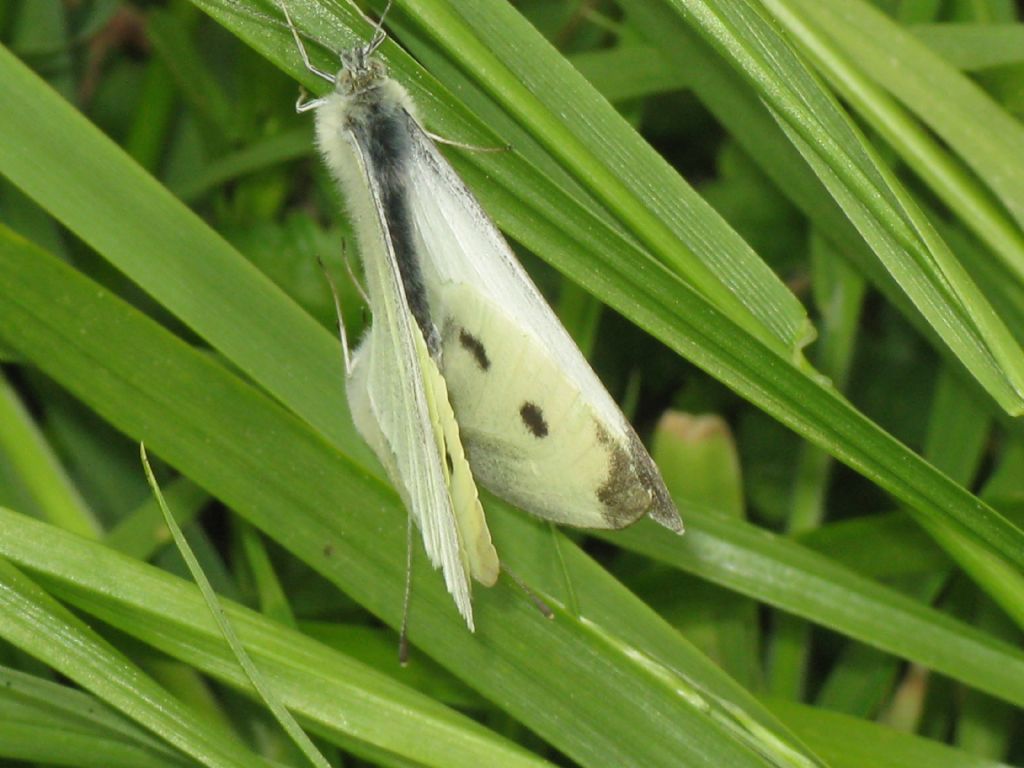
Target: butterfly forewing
538,426
531,435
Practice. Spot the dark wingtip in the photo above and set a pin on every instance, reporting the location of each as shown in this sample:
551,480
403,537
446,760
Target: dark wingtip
663,511
634,487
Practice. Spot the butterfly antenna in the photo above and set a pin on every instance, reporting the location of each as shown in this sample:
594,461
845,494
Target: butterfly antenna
379,35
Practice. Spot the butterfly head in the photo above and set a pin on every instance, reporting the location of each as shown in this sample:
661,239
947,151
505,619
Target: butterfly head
360,69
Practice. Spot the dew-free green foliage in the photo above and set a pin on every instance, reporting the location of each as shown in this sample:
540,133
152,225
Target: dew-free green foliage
796,225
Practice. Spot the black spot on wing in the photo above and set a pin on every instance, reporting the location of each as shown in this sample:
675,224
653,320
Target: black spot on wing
533,418
475,347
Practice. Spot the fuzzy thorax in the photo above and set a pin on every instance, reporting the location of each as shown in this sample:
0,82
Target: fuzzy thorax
343,113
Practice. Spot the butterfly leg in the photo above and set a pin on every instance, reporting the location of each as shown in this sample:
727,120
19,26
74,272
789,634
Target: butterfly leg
538,603
403,638
352,275
572,601
302,50
341,320
304,103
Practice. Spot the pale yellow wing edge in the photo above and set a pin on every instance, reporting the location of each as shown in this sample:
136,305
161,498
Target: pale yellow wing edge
480,557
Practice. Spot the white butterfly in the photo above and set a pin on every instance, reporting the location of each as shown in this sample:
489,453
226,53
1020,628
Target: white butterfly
465,370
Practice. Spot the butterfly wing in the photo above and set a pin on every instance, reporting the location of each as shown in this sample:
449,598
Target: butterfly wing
400,404
479,556
539,427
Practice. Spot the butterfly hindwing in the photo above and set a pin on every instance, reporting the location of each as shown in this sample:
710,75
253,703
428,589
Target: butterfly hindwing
479,556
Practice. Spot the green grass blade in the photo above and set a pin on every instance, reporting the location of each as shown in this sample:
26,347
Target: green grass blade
88,184
224,434
628,72
334,695
848,742
776,571
227,630
949,103
26,452
46,722
725,91
34,621
882,211
943,99
142,531
974,46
